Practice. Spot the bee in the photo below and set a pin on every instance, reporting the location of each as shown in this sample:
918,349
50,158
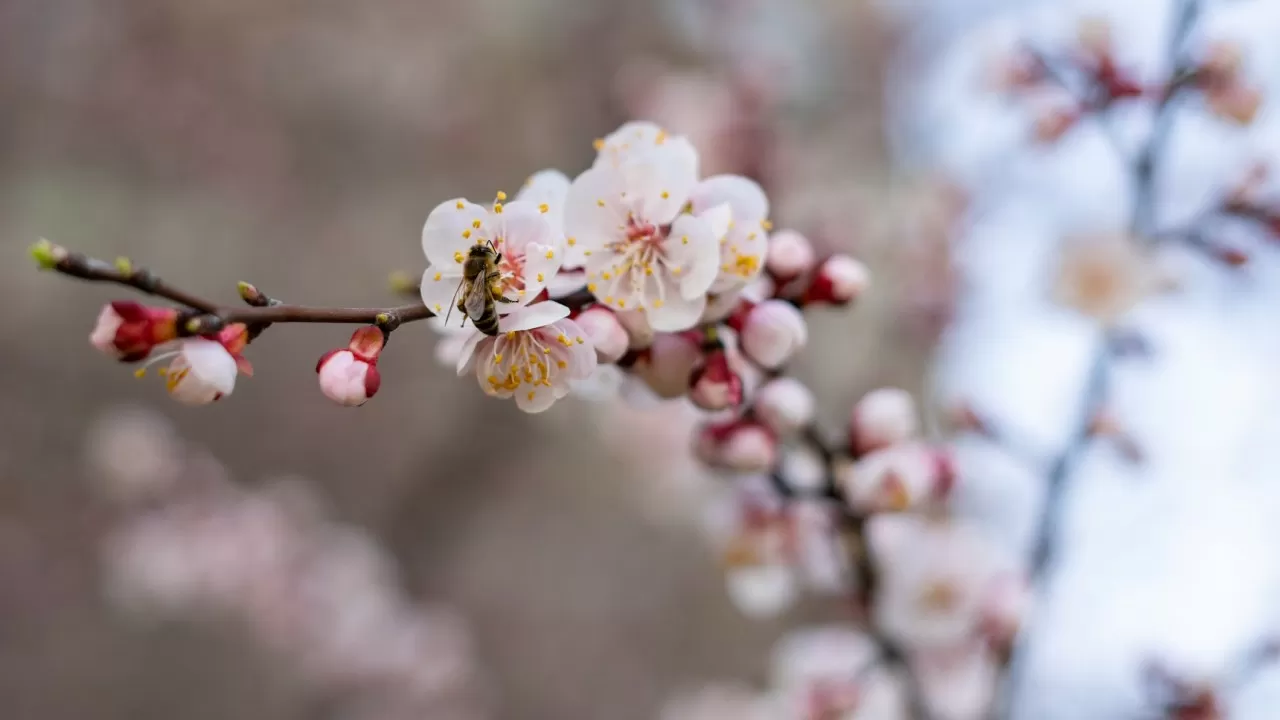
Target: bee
481,289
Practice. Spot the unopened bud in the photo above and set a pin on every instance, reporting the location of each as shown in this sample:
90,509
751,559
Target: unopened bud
47,255
839,281
739,445
605,333
668,363
772,332
714,386
785,404
790,255
251,295
129,331
639,334
1235,102
350,376
882,418
890,480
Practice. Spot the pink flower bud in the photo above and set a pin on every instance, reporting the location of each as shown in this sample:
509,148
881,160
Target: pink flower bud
739,445
785,404
773,332
350,376
668,363
639,334
790,255
1054,122
714,386
1005,605
605,333
881,418
129,331
839,281
893,479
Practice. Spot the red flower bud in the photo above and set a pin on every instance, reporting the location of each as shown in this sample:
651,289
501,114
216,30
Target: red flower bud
350,376
129,331
714,385
839,281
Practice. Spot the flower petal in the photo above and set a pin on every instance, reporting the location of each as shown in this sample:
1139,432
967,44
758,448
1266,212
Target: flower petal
532,316
719,217
744,195
742,257
593,211
540,266
643,140
467,354
550,188
440,291
692,246
566,282
211,364
521,224
676,313
582,357
535,398
660,184
443,236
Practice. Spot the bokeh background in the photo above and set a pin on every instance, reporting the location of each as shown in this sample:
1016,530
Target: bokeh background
299,145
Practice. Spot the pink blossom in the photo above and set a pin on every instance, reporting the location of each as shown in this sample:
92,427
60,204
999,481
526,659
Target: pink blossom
839,280
772,332
350,376
739,445
668,364
790,255
714,385
129,331
894,478
605,333
785,404
881,418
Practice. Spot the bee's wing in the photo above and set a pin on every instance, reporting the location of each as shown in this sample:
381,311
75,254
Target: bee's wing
454,302
475,299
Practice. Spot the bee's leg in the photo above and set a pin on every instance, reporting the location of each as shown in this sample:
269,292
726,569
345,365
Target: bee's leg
503,299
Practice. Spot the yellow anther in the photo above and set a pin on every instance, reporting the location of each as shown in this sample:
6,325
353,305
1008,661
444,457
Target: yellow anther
539,277
438,308
466,234
140,372
546,351
598,144
657,304
571,241
684,239
600,203
648,269
562,364
511,335
608,299
551,254
532,393
586,253
666,195
591,287
501,196
458,257
766,224
520,293
622,303
497,207
752,236
461,205
438,276
677,270
493,380
475,224
497,357
606,276
662,137
580,340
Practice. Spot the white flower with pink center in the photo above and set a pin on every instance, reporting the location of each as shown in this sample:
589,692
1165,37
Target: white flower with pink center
535,358
519,231
745,245
642,251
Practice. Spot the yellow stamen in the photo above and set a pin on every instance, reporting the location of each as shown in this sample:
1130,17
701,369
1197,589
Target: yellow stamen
457,257
766,224
572,241
666,195
140,372
551,254
461,205
438,276
539,277
497,357
684,239
497,207
657,304
475,224
511,334
501,196
591,287
543,208
562,364
598,144
622,303
532,393
600,203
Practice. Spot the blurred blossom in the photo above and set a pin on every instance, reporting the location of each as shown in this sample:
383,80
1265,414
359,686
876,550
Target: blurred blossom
1104,276
322,595
882,417
957,684
894,478
134,454
786,405
834,672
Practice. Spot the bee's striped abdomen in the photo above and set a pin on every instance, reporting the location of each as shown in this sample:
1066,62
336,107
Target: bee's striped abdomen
488,322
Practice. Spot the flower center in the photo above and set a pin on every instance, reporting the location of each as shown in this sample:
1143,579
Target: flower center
521,358
939,596
640,255
512,268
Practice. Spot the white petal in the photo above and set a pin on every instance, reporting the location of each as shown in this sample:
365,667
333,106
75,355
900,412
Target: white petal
719,217
211,364
566,282
742,257
582,355
521,224
466,356
442,235
439,292
676,313
533,316
593,212
744,195
693,247
534,398
540,266
642,141
761,591
549,187
660,186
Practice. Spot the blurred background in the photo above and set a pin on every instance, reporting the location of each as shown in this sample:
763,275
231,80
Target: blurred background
300,145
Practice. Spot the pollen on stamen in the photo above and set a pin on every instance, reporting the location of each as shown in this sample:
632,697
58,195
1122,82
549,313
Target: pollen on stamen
466,234
497,207
562,364
598,144
606,276
767,225
591,287
677,270
532,393
551,254
501,196
657,303
475,224
571,241
497,357
457,257
546,351
608,299
684,239
539,277
662,137
666,195
140,372
544,208
622,303
461,205
599,203
579,340
438,308
511,334
586,252
648,269
438,276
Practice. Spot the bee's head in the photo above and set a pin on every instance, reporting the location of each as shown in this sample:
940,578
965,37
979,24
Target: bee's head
482,250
